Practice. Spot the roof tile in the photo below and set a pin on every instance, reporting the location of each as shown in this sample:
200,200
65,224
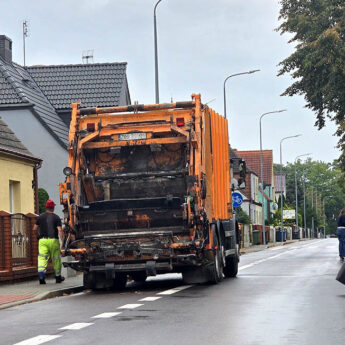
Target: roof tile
252,159
91,84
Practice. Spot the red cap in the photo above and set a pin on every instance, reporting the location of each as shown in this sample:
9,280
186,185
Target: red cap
50,204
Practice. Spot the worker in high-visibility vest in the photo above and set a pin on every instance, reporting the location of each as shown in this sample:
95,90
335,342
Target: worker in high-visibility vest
50,231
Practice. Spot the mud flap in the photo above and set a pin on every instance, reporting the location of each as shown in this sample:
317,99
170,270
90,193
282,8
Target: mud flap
151,268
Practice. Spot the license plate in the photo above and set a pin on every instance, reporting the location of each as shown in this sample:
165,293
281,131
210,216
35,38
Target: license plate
132,136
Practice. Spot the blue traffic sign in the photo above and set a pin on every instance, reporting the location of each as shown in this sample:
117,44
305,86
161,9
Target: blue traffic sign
237,199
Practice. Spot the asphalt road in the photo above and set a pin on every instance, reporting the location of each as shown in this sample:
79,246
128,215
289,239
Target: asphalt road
283,295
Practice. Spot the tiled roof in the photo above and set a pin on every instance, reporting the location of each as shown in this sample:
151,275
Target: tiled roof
10,143
22,89
8,94
252,159
96,85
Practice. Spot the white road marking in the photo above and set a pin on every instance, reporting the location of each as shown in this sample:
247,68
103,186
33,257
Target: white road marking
40,339
276,248
77,325
149,299
130,306
174,290
245,266
331,247
266,259
106,315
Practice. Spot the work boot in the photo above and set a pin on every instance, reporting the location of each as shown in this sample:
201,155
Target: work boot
59,279
42,277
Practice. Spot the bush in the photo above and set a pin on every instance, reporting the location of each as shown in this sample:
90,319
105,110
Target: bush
43,196
241,216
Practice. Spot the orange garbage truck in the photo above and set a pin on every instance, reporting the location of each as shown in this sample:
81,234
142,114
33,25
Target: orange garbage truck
148,191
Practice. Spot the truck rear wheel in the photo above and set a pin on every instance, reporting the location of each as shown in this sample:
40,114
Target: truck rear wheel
216,268
231,268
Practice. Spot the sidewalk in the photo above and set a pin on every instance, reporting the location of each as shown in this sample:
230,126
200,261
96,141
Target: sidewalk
29,290
257,248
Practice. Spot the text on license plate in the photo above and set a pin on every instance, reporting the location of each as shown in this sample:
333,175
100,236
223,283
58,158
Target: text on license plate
132,136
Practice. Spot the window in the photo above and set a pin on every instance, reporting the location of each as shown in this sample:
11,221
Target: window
15,201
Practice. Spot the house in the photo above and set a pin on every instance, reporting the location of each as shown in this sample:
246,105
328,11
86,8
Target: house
251,196
36,102
252,159
18,174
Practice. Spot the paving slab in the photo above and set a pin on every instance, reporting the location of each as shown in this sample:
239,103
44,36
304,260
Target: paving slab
26,291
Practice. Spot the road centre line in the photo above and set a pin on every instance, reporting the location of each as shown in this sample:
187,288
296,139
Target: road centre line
40,339
266,259
77,325
106,315
149,299
174,290
130,306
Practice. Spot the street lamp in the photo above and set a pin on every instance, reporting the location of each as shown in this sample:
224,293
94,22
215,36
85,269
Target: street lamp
306,154
281,174
324,211
261,172
156,53
304,208
230,76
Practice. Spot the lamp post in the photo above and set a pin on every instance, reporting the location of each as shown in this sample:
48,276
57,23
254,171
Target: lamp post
156,53
230,76
261,173
312,210
306,154
281,174
304,208
324,212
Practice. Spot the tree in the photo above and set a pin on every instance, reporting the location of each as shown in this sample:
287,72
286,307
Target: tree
317,65
42,199
242,216
324,182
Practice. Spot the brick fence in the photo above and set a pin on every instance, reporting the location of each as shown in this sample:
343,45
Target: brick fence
18,246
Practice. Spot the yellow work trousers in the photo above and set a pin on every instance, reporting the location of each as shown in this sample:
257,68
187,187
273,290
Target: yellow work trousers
49,248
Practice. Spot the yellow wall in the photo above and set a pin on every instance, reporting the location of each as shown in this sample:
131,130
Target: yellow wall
21,173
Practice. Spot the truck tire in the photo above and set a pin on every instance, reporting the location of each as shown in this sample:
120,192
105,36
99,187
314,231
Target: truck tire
88,280
231,268
216,268
120,281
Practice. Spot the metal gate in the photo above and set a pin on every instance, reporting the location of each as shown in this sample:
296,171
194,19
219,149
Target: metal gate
20,240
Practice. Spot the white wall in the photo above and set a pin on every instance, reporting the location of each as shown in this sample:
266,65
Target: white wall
42,145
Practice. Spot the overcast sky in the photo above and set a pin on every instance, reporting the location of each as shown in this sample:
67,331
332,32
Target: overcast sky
200,43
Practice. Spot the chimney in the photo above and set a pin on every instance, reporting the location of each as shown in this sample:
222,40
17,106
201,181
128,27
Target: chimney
6,48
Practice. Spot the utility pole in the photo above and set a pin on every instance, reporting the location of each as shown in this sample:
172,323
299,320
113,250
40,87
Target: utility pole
304,208
312,210
25,34
156,52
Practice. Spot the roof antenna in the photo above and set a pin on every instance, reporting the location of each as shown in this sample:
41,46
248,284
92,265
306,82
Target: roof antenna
25,34
87,55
